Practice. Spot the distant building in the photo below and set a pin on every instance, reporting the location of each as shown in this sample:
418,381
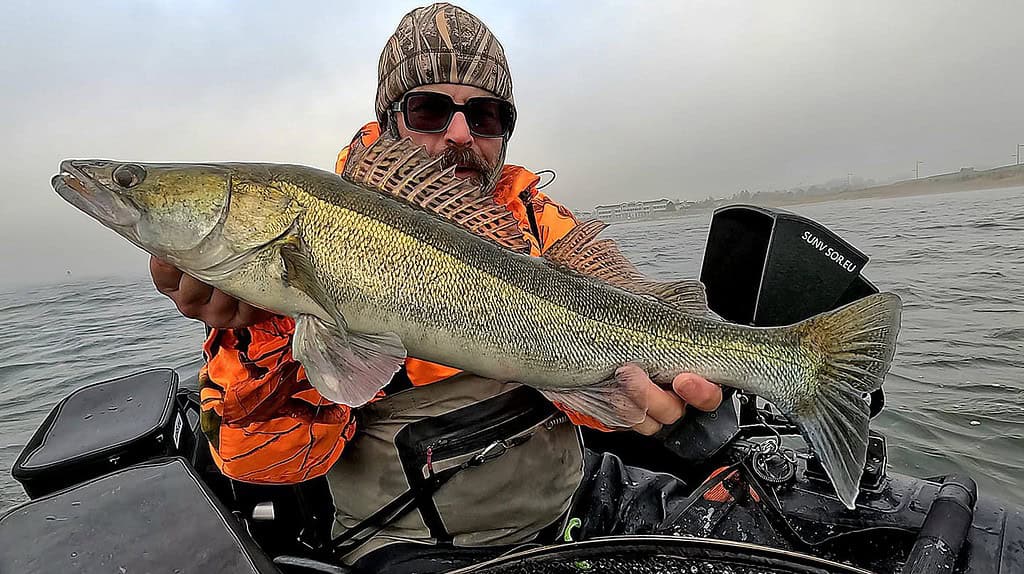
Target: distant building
634,209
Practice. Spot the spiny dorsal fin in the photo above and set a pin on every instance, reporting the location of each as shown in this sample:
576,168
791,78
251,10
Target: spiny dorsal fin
581,251
405,170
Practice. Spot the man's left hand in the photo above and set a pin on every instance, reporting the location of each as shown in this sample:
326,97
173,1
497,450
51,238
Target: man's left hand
665,406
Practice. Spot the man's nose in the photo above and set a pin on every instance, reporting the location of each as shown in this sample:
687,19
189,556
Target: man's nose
458,130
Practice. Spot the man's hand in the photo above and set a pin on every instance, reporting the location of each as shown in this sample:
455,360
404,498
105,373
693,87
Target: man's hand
197,300
665,407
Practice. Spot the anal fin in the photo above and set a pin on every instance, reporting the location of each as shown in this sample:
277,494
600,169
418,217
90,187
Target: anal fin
621,402
346,368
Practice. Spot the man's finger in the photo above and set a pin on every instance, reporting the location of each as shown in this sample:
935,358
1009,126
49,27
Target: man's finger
648,427
221,311
247,315
166,277
193,291
697,391
664,406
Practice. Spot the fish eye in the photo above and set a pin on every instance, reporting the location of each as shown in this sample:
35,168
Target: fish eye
129,175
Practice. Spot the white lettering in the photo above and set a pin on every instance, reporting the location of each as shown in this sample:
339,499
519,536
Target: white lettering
814,241
832,254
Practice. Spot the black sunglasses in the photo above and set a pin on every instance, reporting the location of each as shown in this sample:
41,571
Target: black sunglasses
431,113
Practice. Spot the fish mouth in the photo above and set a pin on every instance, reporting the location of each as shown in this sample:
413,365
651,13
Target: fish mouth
79,189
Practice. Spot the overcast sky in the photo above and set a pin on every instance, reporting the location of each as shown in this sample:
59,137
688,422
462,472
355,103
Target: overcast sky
625,100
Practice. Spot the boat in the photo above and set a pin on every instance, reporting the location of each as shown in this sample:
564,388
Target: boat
120,477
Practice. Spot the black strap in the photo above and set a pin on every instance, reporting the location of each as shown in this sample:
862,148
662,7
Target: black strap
531,216
392,511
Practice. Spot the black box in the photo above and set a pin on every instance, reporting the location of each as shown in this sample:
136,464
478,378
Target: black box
153,517
100,428
769,268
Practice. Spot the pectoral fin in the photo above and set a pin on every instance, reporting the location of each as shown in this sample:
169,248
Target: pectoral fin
346,368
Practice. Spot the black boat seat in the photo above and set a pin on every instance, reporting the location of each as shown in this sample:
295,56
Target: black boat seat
154,517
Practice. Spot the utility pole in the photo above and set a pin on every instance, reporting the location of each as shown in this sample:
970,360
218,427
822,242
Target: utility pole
1018,152
917,170
849,177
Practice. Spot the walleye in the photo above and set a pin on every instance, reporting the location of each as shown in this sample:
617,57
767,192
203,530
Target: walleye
397,257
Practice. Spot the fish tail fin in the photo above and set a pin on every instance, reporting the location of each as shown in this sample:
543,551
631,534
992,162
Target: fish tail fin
857,343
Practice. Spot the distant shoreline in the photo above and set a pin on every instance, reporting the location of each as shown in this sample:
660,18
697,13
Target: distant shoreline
964,180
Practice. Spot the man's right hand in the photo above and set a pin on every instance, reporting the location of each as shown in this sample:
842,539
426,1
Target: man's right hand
197,300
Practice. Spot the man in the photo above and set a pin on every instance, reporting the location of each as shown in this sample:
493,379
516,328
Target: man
444,84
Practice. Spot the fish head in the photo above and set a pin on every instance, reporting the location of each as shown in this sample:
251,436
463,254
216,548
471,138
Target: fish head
163,208
206,219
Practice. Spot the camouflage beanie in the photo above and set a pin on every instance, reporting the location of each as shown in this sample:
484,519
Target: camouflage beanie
440,44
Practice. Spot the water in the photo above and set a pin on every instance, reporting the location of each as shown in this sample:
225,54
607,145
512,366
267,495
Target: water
955,395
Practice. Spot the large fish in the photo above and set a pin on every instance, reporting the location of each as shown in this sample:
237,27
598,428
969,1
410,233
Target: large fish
388,261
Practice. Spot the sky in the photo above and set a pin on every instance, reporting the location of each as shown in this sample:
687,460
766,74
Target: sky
624,100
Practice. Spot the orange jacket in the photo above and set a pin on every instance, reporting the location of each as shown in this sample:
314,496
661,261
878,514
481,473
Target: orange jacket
265,422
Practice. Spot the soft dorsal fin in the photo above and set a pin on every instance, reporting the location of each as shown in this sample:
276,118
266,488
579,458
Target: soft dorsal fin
405,170
581,251
686,295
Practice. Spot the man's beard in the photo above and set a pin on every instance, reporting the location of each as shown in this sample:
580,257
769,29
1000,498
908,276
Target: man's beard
487,175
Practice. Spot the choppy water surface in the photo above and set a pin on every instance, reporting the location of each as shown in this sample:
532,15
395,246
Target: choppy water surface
955,394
